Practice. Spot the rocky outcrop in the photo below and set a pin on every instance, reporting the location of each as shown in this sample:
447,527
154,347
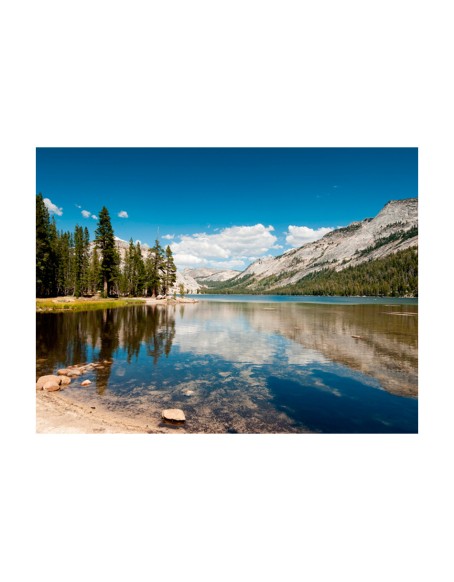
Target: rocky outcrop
394,228
203,276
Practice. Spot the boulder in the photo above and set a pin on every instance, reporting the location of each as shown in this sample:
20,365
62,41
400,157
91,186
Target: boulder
86,383
173,415
73,372
64,380
188,392
62,372
43,379
51,386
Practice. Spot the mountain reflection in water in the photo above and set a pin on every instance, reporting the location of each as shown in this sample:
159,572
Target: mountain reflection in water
248,366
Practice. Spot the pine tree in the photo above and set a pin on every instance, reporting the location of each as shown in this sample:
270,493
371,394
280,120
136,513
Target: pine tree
155,268
139,272
170,271
45,252
127,284
78,260
94,272
105,242
86,261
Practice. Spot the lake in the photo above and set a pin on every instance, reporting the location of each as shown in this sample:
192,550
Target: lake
242,364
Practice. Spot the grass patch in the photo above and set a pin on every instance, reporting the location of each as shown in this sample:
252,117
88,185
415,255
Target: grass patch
83,304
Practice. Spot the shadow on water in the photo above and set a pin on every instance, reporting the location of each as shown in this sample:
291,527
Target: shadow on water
347,406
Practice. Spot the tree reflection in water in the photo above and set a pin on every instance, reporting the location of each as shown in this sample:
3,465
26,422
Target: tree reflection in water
63,339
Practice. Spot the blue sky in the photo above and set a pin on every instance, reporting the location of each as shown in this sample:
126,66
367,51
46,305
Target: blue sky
223,207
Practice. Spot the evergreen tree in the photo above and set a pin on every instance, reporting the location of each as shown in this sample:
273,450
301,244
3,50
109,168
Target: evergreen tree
86,261
45,252
127,283
139,272
155,268
65,263
78,260
105,242
94,273
170,271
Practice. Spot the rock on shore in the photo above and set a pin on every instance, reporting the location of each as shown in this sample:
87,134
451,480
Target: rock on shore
173,415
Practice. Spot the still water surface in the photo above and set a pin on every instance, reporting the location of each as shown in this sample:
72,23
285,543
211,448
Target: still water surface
246,366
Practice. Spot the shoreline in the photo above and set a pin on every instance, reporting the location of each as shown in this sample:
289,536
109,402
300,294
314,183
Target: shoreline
71,304
57,414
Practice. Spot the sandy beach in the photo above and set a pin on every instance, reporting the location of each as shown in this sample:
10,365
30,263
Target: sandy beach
56,413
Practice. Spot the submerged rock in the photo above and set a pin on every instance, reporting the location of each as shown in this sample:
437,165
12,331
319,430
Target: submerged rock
173,415
86,383
188,392
43,379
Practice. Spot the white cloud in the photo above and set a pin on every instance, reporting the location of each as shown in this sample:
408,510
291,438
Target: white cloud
123,214
168,236
52,208
94,217
300,235
231,247
77,205
86,213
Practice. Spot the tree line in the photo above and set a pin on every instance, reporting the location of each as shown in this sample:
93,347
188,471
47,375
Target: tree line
68,263
395,275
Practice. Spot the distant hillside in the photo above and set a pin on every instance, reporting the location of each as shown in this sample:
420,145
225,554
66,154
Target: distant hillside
206,276
340,257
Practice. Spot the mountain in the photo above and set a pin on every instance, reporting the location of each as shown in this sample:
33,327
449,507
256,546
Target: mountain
356,249
190,285
203,276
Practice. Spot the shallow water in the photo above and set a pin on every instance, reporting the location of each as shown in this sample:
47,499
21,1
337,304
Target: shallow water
246,366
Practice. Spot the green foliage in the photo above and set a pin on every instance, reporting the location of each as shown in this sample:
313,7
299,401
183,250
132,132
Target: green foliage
181,288
105,242
394,275
237,285
169,275
400,235
84,304
46,259
154,269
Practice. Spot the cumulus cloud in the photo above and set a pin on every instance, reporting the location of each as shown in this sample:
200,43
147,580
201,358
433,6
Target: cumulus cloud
168,236
88,214
52,208
301,235
123,214
229,248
